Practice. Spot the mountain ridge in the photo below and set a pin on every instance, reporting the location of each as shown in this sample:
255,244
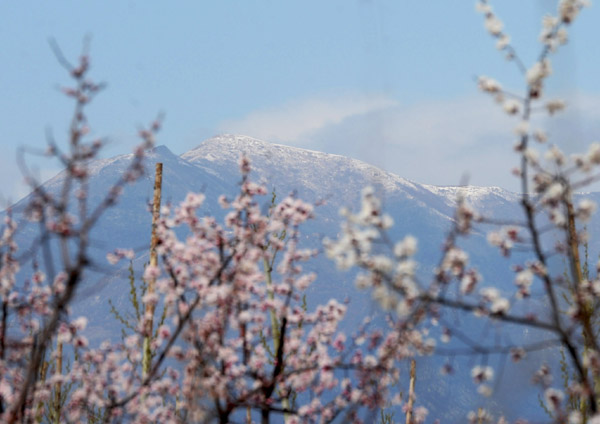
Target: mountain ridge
225,149
211,149
279,163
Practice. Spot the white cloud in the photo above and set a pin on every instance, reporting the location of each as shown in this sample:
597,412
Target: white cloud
13,186
295,121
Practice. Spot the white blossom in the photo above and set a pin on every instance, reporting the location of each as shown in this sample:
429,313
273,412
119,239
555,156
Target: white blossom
555,155
499,306
554,192
482,7
469,281
593,154
540,136
511,106
538,72
532,155
575,417
503,42
489,294
553,398
585,209
562,36
484,390
569,9
554,106
489,85
406,247
522,128
493,24
481,374
524,278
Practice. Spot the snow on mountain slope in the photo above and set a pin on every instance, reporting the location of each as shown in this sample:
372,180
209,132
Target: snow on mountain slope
475,195
322,175
270,159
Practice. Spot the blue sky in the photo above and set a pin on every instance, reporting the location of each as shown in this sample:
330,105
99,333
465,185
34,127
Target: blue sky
390,82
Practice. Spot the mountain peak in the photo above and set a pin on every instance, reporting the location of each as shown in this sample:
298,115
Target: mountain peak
320,173
231,146
160,151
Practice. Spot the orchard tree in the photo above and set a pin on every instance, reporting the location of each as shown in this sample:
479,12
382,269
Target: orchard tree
548,187
35,312
238,341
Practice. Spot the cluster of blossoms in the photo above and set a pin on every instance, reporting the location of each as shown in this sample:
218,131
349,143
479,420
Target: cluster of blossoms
392,277
237,338
549,186
505,239
48,371
481,375
494,25
389,270
247,341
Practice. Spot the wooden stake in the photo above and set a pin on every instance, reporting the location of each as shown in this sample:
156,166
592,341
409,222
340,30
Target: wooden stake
149,311
58,385
411,391
39,415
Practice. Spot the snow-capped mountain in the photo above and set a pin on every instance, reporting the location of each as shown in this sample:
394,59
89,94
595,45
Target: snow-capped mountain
322,175
424,211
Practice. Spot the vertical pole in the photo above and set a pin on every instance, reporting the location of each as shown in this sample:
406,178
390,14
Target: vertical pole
586,308
58,386
149,311
411,391
39,416
573,242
